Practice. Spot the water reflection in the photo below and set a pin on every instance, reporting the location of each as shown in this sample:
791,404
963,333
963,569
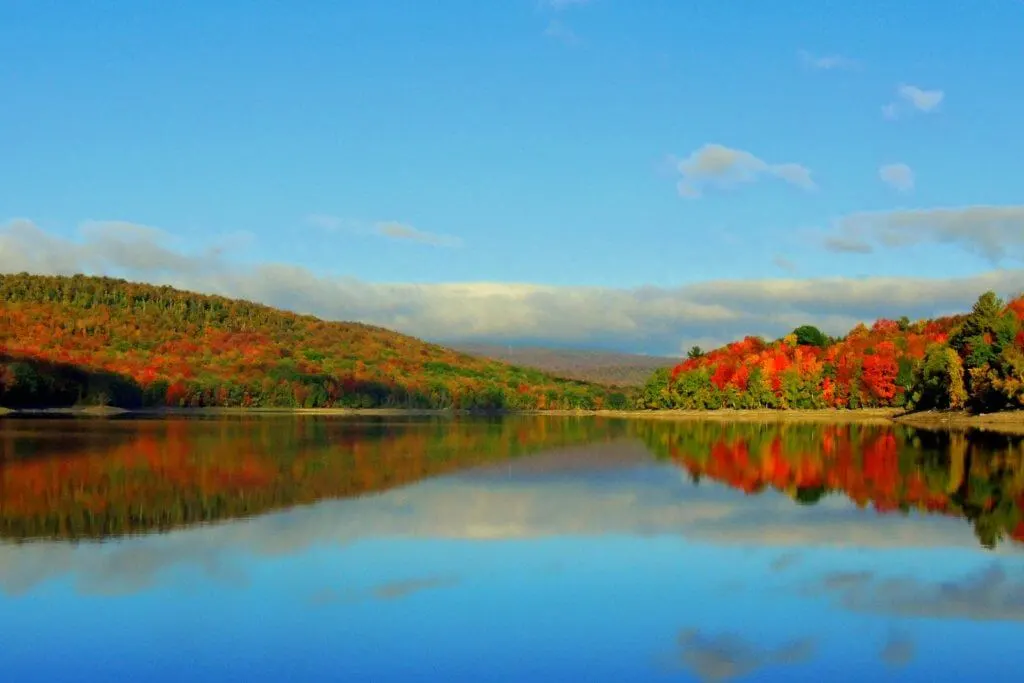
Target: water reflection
506,550
87,478
977,476
81,479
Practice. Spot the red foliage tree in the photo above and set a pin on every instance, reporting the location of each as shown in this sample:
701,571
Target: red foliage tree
879,372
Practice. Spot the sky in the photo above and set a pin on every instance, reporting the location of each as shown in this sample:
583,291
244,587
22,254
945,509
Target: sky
636,176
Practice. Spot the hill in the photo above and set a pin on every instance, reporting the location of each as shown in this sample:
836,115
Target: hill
973,361
100,341
602,367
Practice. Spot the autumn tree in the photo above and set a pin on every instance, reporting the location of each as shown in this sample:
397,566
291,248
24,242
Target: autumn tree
879,373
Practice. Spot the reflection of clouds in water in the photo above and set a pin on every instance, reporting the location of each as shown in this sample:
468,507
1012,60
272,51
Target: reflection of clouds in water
392,590
119,567
650,501
898,651
988,595
726,656
784,561
401,589
844,580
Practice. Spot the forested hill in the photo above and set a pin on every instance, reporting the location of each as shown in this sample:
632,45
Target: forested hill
973,361
89,340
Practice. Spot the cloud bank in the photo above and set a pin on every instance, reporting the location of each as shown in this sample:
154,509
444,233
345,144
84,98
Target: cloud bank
993,232
648,319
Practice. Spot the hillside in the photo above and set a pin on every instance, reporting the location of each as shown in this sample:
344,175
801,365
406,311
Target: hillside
602,367
88,340
973,361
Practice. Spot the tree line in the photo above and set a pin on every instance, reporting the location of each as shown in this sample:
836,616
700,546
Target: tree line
973,361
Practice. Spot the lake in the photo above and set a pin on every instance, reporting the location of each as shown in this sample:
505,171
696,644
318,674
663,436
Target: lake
306,548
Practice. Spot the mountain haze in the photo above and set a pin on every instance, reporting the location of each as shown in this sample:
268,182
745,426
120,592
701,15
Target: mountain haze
604,367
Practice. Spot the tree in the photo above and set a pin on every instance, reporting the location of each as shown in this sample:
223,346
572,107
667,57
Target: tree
982,318
809,335
939,380
695,352
880,372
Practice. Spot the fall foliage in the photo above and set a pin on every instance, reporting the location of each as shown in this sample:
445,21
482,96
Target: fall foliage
86,340
973,361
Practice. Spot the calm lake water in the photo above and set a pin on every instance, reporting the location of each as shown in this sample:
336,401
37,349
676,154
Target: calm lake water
520,549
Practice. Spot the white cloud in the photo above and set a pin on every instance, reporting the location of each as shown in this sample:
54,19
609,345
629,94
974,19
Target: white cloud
994,232
827,62
651,319
922,100
403,231
912,98
897,176
395,230
724,167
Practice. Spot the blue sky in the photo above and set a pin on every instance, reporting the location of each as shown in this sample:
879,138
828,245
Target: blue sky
524,142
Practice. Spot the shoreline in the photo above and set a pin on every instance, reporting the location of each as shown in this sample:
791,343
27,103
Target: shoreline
1008,421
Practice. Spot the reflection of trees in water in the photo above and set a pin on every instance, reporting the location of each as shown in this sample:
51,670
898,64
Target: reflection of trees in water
81,479
978,476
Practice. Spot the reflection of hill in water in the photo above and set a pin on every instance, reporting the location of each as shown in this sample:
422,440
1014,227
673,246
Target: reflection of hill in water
86,479
977,476
82,479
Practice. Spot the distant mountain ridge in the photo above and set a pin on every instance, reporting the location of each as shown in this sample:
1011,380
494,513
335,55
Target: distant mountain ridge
604,367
